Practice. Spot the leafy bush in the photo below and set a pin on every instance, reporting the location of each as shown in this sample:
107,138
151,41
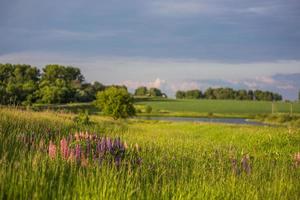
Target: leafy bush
82,118
116,102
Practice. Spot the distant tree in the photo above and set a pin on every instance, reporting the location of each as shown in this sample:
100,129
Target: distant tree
154,92
193,94
141,91
250,95
241,95
180,94
116,102
299,95
209,94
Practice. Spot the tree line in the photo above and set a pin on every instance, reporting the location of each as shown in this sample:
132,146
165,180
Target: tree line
229,93
22,84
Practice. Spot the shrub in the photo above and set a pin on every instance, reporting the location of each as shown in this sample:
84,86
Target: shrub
116,102
82,118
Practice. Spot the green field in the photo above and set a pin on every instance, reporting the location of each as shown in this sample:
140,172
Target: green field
220,106
179,160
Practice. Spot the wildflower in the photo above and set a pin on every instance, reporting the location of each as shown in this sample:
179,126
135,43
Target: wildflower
245,162
109,144
52,150
72,156
64,148
77,152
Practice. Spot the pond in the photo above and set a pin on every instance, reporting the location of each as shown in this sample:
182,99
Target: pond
203,119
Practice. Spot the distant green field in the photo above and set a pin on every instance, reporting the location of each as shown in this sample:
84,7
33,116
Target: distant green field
220,106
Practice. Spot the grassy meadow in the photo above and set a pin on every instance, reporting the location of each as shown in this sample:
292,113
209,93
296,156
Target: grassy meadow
180,160
218,107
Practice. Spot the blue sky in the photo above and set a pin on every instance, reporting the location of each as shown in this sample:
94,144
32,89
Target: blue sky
170,44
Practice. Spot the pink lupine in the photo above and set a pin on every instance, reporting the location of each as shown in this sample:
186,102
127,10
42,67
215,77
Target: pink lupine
72,155
64,148
52,150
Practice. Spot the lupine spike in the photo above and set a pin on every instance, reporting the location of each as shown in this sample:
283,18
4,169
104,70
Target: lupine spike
52,150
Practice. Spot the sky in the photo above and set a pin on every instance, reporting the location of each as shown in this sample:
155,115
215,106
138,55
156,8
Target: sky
170,44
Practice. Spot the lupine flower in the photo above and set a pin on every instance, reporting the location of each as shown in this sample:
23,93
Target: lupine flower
52,150
64,148
72,155
88,147
109,144
245,162
98,149
77,152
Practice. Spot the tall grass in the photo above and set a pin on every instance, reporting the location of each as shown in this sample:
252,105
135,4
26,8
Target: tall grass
179,160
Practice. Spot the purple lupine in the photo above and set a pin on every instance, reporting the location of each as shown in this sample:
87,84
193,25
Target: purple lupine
109,144
98,147
88,147
103,145
77,152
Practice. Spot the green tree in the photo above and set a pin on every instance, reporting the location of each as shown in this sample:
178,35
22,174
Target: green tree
116,102
180,94
18,83
193,94
60,84
141,91
154,92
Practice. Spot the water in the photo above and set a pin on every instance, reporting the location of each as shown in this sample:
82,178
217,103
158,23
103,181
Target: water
203,119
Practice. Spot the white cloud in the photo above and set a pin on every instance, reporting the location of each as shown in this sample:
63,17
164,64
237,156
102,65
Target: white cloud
112,69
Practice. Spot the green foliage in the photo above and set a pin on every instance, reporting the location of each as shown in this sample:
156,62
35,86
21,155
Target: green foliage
155,92
229,93
116,102
190,94
18,83
152,92
23,84
141,91
82,118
